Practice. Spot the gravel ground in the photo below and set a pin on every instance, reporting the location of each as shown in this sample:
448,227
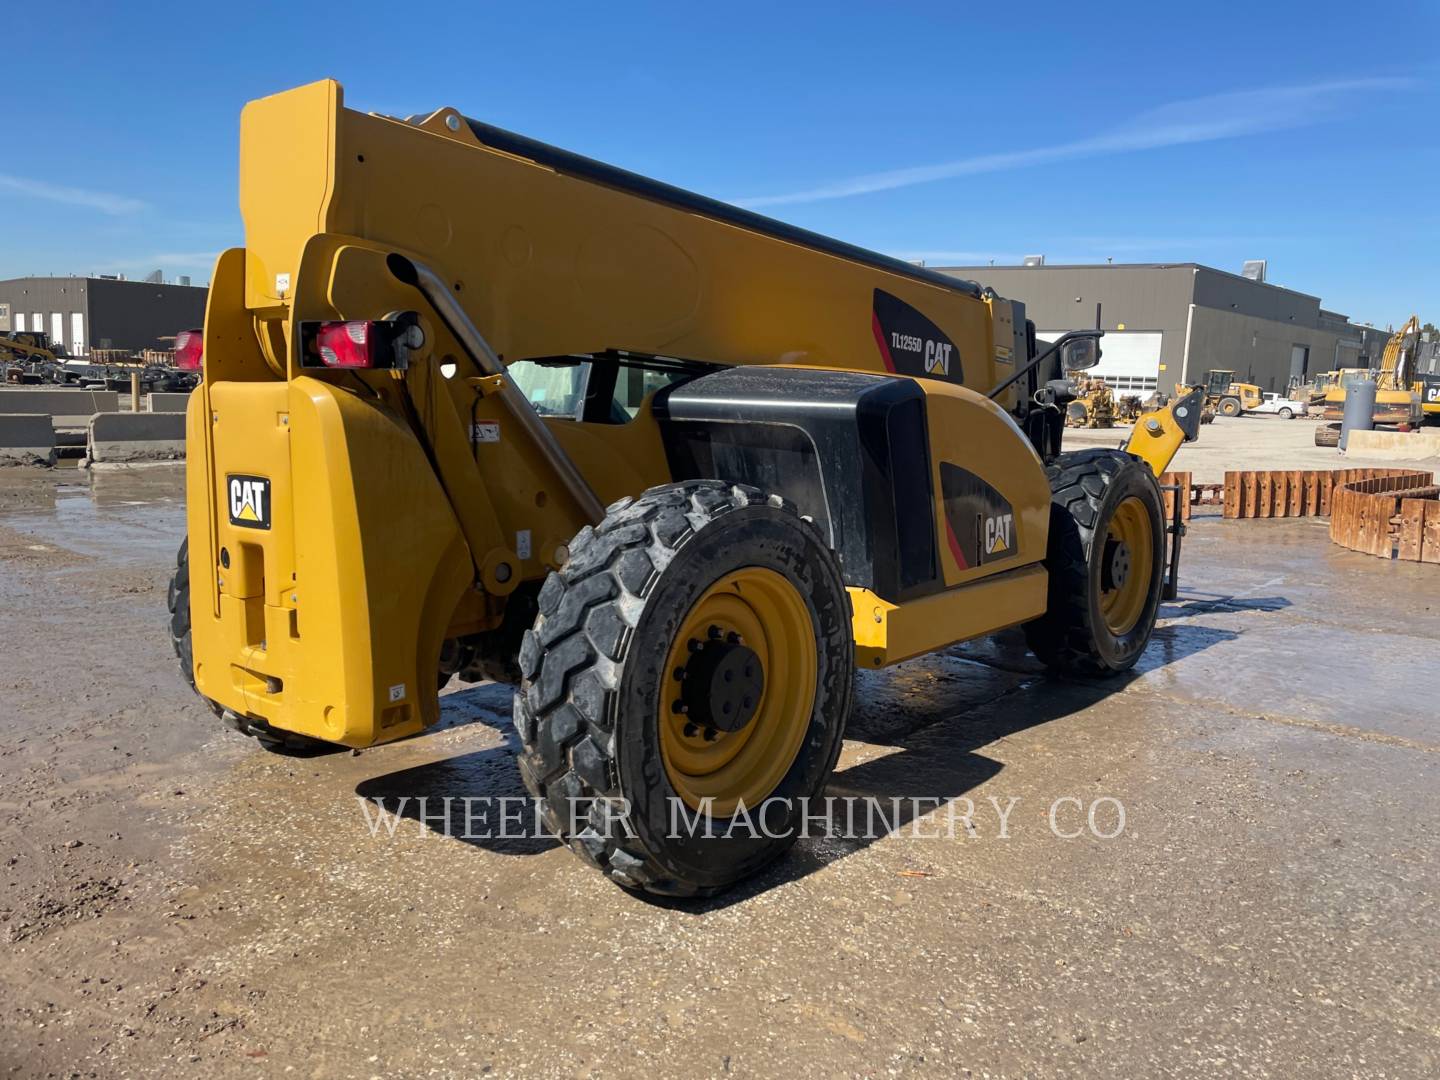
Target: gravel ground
1251,442
178,902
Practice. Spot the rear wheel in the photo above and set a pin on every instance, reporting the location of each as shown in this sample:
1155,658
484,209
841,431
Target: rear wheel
178,600
1106,562
1230,406
1287,414
686,686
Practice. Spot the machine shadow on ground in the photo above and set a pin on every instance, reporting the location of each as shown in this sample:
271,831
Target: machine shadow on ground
935,756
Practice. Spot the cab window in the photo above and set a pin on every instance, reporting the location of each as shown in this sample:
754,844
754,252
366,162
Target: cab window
600,388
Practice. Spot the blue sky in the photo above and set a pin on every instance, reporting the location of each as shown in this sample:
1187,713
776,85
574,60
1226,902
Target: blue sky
1295,132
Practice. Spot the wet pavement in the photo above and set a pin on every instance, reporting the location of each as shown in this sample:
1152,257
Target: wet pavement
176,901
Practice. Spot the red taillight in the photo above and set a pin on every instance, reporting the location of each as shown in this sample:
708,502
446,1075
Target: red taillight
361,343
189,350
346,344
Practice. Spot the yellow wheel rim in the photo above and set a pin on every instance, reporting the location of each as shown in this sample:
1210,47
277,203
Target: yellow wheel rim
760,609
1128,566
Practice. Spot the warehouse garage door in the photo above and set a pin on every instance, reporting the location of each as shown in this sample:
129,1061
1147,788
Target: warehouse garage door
1129,359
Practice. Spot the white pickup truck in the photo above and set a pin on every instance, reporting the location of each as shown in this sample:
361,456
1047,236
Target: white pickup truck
1286,408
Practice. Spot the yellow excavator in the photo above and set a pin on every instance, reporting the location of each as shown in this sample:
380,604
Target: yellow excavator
473,406
1398,400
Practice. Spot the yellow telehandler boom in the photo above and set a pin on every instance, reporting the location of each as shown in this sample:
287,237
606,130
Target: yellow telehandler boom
476,406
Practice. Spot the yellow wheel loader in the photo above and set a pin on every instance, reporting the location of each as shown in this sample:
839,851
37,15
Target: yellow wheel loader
1230,398
475,406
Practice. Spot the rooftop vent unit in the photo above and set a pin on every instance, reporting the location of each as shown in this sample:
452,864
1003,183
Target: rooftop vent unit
155,277
1254,269
1034,260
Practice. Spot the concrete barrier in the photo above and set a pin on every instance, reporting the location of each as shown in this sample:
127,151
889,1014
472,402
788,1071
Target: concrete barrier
69,408
131,437
168,403
1396,445
26,439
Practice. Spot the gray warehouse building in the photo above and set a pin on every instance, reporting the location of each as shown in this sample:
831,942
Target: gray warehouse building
1171,322
85,313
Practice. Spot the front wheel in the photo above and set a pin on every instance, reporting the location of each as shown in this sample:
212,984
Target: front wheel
1230,406
686,686
1106,561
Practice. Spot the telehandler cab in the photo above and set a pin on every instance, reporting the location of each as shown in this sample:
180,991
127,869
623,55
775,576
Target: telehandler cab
475,406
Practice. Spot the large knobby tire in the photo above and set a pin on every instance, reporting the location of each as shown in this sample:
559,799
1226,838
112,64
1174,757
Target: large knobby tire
1106,561
1327,435
607,750
1230,406
178,601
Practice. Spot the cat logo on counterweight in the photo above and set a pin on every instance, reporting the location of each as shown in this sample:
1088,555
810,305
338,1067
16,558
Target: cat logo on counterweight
249,501
999,531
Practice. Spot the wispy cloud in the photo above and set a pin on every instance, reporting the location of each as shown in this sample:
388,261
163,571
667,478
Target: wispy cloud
1196,120
103,201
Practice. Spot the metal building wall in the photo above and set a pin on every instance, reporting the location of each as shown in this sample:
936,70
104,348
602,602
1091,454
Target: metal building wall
137,315
1141,298
47,296
1238,324
1260,350
1254,328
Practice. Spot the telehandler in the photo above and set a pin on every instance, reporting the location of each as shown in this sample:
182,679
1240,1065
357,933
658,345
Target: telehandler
472,405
